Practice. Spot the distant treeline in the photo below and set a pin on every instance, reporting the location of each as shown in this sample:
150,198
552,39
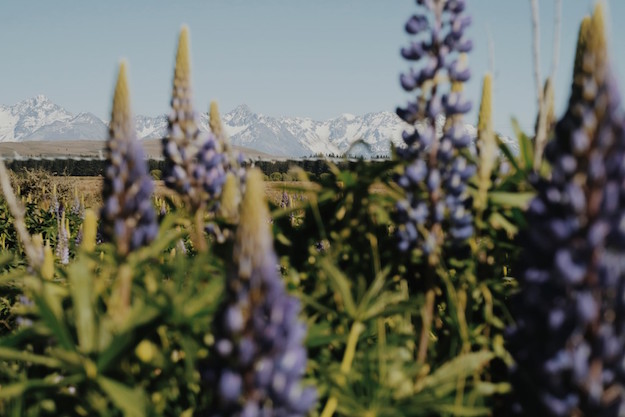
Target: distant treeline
93,168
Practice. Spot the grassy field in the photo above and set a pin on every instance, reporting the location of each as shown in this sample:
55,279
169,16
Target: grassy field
91,188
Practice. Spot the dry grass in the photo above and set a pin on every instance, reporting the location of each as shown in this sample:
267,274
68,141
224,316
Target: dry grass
91,149
91,188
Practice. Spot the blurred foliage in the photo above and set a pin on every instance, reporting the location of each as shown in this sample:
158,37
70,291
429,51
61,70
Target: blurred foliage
109,336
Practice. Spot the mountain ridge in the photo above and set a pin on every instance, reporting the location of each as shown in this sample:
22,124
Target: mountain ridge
39,119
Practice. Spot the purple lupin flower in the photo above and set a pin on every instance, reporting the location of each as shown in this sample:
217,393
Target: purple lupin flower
569,338
77,208
128,217
55,206
435,173
259,357
194,159
234,159
62,237
285,201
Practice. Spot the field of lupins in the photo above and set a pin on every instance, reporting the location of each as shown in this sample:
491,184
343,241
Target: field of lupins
459,278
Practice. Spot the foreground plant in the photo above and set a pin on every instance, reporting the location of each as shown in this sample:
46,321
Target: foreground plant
195,162
435,174
569,339
128,217
259,354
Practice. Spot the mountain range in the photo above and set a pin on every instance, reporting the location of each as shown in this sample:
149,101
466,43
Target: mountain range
39,119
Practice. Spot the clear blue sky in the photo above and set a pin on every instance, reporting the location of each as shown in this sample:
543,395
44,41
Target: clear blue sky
281,57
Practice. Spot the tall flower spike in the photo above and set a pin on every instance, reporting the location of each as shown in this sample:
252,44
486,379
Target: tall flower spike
569,337
194,159
435,173
259,356
234,159
62,238
486,144
128,218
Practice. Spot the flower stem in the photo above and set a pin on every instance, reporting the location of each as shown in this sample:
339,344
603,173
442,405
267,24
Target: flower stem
346,364
198,236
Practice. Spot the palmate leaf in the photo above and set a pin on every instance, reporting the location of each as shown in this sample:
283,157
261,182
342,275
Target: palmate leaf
437,393
377,302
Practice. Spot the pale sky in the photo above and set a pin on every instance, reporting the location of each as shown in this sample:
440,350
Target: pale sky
313,59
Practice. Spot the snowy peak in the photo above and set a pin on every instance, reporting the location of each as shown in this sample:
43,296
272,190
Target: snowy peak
82,126
151,127
38,118
25,117
241,115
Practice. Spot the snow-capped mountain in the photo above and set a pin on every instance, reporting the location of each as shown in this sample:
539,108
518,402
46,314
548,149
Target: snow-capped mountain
27,116
151,127
40,119
296,136
81,126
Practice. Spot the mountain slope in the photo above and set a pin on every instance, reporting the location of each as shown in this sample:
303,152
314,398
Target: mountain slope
82,126
27,116
38,119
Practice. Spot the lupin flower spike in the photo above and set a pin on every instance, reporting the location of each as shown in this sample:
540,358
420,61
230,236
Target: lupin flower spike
62,239
259,355
89,231
230,199
77,208
486,143
234,158
54,205
194,159
128,218
435,173
569,337
47,267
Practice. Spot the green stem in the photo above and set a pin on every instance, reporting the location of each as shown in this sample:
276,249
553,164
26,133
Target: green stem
346,364
427,312
198,237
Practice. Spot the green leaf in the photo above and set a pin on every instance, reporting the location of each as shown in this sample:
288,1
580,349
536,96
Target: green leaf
462,410
18,389
51,382
372,293
132,401
511,199
81,288
54,322
322,334
203,304
116,347
8,354
505,149
498,221
341,285
525,145
445,378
